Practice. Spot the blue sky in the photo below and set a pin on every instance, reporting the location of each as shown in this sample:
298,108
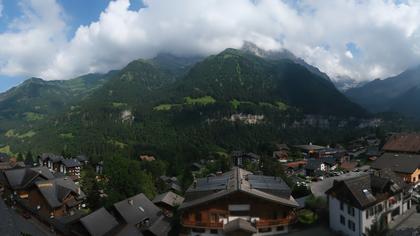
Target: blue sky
77,13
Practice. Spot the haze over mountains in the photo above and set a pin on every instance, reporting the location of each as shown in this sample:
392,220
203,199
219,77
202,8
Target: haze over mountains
399,93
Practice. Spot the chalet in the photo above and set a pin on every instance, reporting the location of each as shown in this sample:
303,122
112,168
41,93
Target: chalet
84,160
140,212
239,158
21,181
168,202
170,183
99,168
296,167
407,166
355,203
55,198
238,203
318,166
11,163
71,167
282,152
310,150
403,143
98,223
50,160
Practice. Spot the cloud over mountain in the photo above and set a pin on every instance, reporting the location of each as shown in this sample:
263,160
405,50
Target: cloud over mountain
360,39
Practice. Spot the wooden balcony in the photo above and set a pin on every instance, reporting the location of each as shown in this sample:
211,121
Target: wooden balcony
197,224
290,219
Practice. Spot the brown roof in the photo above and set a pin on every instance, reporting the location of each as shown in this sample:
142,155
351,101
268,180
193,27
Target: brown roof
403,142
296,164
348,165
401,163
147,158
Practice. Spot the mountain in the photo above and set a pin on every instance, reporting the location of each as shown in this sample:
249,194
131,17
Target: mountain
174,65
382,95
242,76
344,83
279,55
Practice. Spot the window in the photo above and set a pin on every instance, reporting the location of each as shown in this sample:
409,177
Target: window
341,206
367,213
351,225
350,210
342,220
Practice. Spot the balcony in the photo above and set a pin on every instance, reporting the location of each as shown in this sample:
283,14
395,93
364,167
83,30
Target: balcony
197,224
290,219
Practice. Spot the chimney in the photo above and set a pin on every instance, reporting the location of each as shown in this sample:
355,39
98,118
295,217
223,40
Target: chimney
131,202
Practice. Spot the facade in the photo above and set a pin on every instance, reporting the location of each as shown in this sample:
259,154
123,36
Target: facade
407,166
51,161
238,203
356,203
71,167
168,202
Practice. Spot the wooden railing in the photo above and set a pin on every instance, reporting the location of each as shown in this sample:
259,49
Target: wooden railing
201,224
290,219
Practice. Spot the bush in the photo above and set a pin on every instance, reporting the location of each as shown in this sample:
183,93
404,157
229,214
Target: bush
307,217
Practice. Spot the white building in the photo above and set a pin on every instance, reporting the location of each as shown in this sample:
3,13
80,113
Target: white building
354,204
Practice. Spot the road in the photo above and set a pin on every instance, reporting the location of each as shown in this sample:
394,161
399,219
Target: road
11,223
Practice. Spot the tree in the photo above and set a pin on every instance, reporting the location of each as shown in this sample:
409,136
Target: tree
29,160
125,178
19,157
379,227
91,187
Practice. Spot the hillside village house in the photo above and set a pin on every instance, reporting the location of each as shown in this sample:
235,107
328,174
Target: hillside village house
51,161
407,166
310,150
71,167
40,192
318,166
238,203
355,203
403,143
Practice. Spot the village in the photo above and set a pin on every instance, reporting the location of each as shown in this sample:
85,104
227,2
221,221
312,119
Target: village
368,187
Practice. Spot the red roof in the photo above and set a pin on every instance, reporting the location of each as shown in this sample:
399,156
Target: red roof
296,164
404,142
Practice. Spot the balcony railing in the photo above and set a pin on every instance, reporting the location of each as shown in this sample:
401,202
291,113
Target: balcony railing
198,224
290,219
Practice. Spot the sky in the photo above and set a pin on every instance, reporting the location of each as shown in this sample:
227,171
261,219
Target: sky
62,39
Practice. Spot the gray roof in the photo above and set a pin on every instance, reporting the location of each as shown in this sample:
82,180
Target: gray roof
269,188
21,178
56,190
365,190
239,224
70,163
82,158
128,230
136,209
99,222
310,147
313,164
161,226
401,163
169,198
50,156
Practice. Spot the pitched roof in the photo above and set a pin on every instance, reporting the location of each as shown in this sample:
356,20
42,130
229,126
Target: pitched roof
161,226
82,158
309,147
269,188
50,156
401,163
99,222
56,190
21,178
365,190
70,163
137,208
169,198
403,142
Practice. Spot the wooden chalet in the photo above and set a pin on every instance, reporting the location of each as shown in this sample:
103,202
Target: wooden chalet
238,203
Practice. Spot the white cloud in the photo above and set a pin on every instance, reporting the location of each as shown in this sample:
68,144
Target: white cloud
386,34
